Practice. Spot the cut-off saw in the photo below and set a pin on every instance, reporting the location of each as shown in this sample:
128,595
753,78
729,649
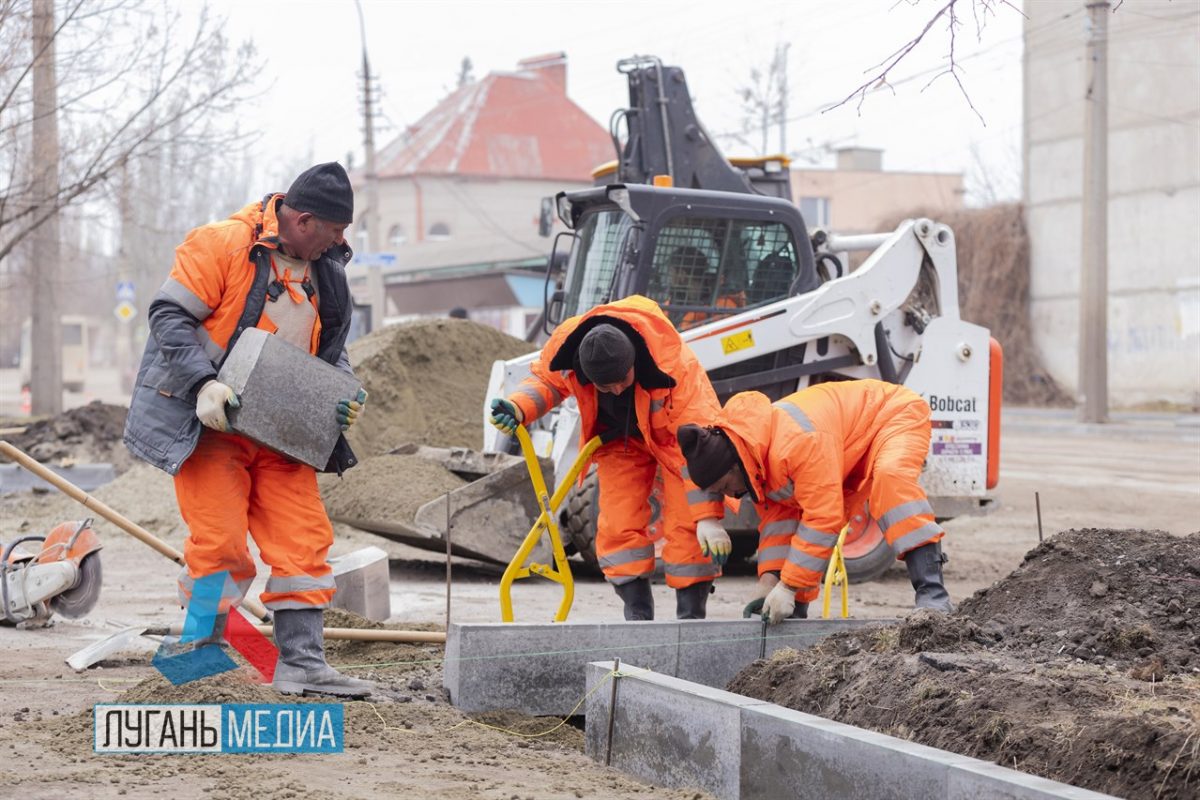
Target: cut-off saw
41,575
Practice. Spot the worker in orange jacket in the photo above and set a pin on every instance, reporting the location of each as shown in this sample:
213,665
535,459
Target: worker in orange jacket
635,382
807,461
278,265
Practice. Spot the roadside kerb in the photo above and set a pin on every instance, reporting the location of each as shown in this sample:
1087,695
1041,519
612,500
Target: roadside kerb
678,734
539,668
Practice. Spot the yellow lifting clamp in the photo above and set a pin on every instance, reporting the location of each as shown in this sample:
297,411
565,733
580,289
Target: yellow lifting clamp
835,574
560,572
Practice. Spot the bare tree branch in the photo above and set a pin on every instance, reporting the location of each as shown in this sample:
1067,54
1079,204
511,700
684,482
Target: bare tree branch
948,13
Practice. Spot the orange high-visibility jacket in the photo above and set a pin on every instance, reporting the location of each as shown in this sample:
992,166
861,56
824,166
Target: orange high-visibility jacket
810,452
671,388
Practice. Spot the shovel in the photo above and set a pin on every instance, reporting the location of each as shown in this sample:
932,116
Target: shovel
99,651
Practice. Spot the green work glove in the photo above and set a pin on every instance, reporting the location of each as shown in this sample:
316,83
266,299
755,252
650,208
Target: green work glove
753,607
348,410
505,415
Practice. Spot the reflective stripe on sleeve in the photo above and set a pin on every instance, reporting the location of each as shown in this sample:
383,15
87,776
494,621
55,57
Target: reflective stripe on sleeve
181,295
798,416
783,492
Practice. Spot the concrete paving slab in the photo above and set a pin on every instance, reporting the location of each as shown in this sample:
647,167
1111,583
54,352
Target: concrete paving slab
539,668
977,779
679,734
684,744
784,749
261,369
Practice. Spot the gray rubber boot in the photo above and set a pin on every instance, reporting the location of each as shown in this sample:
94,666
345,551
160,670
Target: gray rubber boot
172,645
691,602
301,669
638,599
925,571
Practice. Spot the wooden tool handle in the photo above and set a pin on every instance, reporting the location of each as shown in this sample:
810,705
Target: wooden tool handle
109,513
342,634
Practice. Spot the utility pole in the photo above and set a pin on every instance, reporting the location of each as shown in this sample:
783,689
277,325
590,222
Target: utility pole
45,382
124,339
375,289
1093,277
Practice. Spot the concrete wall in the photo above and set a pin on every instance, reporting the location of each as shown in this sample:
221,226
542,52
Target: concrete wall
860,200
1154,194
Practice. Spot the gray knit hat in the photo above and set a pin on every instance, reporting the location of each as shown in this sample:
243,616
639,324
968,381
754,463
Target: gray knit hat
323,191
606,354
709,453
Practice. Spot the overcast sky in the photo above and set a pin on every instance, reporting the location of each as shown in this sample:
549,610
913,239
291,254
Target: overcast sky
312,55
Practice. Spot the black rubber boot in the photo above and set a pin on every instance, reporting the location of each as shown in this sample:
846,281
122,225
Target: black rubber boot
691,602
800,612
638,599
925,571
301,669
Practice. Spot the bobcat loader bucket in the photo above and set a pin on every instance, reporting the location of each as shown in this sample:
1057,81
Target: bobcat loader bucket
488,517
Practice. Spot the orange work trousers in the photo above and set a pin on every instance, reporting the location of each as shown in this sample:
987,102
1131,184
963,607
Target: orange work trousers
626,471
896,499
231,485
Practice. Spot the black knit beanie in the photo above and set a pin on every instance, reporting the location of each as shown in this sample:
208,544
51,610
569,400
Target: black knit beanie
709,453
325,192
606,354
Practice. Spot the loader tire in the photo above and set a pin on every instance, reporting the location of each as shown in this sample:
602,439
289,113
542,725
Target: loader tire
581,516
872,564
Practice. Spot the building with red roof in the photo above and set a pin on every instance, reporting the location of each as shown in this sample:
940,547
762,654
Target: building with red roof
461,192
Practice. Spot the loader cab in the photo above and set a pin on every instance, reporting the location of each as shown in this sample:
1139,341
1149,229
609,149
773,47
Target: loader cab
700,255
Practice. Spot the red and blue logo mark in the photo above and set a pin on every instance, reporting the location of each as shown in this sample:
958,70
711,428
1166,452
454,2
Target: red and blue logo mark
181,664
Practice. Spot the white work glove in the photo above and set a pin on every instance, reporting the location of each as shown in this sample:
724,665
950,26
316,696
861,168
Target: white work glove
714,541
210,405
780,603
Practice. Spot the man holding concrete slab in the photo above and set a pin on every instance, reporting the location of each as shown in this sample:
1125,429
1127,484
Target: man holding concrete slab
278,266
809,458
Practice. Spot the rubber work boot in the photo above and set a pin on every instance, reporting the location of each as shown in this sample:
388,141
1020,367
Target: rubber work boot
925,571
301,669
691,602
639,601
800,611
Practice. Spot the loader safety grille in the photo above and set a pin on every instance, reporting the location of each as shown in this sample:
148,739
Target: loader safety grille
704,269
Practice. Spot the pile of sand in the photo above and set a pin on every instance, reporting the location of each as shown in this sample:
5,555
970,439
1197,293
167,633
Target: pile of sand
386,488
1082,666
426,381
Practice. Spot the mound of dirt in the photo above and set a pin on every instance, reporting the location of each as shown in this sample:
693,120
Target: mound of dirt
388,488
87,434
426,380
1083,666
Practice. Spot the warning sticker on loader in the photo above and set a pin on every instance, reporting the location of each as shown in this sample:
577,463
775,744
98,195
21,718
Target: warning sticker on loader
742,340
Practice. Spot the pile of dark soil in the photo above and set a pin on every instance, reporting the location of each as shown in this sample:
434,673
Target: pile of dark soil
1082,666
87,434
426,380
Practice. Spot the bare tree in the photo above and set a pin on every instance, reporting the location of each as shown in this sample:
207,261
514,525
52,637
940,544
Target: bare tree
133,84
764,98
131,76
948,18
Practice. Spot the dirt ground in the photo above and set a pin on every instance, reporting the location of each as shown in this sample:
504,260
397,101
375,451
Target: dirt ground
1082,666
1112,479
